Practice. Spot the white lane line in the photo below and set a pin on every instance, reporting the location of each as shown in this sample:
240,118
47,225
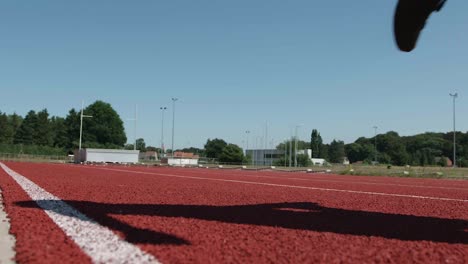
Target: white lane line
288,186
98,242
342,181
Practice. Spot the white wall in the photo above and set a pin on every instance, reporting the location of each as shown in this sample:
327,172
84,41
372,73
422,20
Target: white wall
180,162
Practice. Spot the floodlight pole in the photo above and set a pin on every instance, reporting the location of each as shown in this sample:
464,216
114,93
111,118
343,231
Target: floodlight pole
134,131
285,151
173,121
163,108
136,118
247,132
454,96
375,145
81,123
290,150
295,146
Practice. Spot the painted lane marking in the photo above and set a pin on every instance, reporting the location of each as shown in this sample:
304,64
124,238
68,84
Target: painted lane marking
341,181
98,242
289,186
315,178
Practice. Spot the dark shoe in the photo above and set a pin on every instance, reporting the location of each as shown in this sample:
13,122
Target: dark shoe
410,18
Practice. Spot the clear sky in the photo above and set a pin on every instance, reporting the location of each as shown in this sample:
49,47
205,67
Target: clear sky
235,65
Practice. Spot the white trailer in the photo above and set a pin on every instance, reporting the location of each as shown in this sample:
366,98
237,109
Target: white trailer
107,155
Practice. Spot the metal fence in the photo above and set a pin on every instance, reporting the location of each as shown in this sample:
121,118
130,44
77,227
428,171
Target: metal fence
35,158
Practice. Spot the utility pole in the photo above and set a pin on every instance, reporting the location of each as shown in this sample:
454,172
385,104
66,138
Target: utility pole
454,96
375,145
247,132
173,122
135,126
163,108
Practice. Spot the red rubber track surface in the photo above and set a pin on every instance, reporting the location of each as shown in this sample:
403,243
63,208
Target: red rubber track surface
197,215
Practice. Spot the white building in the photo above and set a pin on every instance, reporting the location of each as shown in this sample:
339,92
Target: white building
318,162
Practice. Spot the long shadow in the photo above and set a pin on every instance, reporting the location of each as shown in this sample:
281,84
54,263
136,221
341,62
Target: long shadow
300,215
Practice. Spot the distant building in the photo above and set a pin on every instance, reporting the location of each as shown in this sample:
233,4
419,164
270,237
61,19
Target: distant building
264,157
148,156
181,159
318,162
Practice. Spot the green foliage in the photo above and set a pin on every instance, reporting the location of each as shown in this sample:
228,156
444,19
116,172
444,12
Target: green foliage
231,154
316,143
303,160
38,132
336,151
247,159
140,144
105,127
6,129
214,148
59,132
72,123
26,132
31,149
43,133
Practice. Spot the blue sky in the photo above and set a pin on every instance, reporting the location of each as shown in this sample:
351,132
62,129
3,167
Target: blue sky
236,65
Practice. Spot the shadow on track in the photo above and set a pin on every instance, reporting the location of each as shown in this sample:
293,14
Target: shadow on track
301,216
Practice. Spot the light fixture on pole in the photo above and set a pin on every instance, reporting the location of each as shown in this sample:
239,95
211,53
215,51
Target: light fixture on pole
173,122
163,108
454,96
81,123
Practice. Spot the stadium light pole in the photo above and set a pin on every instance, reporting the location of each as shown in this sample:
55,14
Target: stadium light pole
163,108
81,123
173,122
454,96
135,127
295,145
290,150
247,132
285,151
375,145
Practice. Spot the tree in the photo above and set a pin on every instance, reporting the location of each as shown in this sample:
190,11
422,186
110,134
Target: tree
231,154
72,124
140,144
15,122
315,143
105,127
354,152
59,132
214,148
392,145
43,135
6,130
26,132
336,152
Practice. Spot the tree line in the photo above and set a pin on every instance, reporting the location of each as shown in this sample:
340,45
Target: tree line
424,149
40,133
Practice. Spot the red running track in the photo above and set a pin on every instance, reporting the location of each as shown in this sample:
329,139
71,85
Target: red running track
184,215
